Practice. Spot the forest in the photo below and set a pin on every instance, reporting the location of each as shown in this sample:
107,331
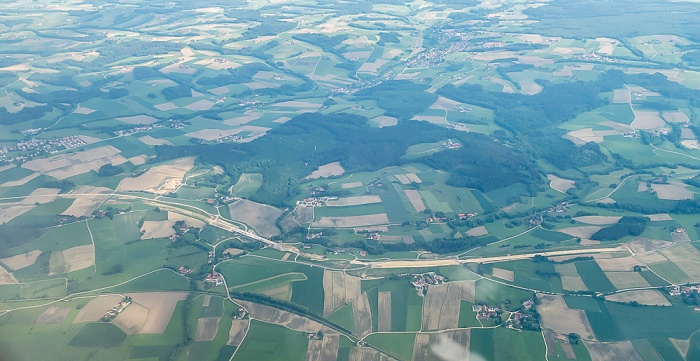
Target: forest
314,139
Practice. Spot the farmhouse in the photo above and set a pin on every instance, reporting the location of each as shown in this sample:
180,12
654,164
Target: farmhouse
214,278
483,312
422,281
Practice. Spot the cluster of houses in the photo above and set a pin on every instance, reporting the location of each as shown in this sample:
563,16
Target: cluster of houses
314,335
184,271
26,150
210,258
134,130
682,290
559,208
452,145
315,201
594,57
483,312
422,281
116,310
214,278
457,42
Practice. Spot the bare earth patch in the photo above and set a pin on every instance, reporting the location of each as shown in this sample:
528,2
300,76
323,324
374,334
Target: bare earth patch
149,140
21,260
639,245
85,202
673,192
161,306
504,274
560,184
442,303
157,229
327,170
354,201
385,121
624,264
132,319
67,165
53,315
613,351
647,120
643,297
558,317
598,220
351,185
161,179
207,328
237,332
477,231
260,217
96,308
582,232
7,278
416,200
384,311
352,221
138,119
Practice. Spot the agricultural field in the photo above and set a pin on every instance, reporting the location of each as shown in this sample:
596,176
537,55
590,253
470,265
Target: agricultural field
349,180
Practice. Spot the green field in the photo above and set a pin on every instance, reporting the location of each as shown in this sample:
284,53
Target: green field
489,344
272,342
406,305
399,345
593,277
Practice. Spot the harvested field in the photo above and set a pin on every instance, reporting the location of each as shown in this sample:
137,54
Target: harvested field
445,104
7,278
613,351
686,257
298,104
680,237
237,332
207,327
365,354
132,319
598,220
647,120
651,257
362,316
77,258
402,178
282,120
11,211
194,222
213,134
354,201
385,121
200,105
138,119
157,229
84,110
675,117
260,217
673,191
582,232
560,184
352,221
643,297
530,87
149,140
573,283
161,179
642,187
339,289
606,46
413,178
86,204
442,303
53,315
161,306
416,200
164,107
477,231
583,136
558,317
447,346
242,119
290,320
233,251
21,260
351,185
384,312
568,70
327,170
138,160
617,264
304,214
67,165
625,280
621,96
639,245
313,350
96,308
504,274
